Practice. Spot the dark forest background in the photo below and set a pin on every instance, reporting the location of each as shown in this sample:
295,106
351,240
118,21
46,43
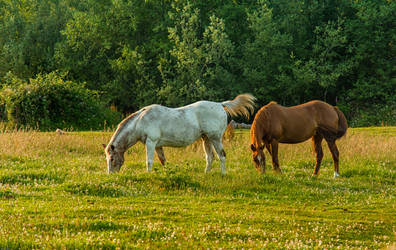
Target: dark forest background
82,63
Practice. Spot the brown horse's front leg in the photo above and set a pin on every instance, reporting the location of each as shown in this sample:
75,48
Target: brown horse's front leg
317,145
274,154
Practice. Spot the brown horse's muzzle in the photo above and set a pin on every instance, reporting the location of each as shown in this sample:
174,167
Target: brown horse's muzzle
259,161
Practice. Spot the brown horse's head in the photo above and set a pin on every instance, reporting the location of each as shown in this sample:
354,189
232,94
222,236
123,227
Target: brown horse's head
114,158
258,157
259,127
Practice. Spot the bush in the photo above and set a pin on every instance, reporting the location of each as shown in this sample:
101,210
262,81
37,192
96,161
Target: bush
48,102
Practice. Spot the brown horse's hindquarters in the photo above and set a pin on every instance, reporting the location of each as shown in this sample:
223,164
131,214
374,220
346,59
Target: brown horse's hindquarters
342,123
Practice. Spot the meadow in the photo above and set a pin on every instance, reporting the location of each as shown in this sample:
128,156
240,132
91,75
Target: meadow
55,193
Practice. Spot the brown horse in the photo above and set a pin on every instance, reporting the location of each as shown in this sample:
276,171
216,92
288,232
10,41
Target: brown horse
274,124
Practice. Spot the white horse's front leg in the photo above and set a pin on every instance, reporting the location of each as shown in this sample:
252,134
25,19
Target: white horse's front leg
150,148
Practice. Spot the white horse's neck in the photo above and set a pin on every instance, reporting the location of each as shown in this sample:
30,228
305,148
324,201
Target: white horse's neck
125,136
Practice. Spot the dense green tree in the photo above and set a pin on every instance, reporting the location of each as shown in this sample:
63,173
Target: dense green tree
135,53
114,46
29,32
266,57
199,66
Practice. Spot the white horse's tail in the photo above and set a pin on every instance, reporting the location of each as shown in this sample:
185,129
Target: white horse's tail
242,105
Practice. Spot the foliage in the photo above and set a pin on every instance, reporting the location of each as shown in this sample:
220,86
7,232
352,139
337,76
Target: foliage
55,193
29,32
48,102
137,53
200,68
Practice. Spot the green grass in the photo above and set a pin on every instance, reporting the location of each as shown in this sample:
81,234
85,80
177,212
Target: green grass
55,193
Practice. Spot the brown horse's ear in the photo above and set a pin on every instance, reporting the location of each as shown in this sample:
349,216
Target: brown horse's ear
252,147
104,146
112,147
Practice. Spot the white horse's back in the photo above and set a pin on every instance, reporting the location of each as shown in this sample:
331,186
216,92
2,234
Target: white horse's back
179,127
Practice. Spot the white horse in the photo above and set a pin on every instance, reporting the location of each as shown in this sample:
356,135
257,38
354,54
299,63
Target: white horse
158,126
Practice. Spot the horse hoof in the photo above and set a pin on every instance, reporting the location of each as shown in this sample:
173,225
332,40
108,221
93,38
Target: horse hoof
336,175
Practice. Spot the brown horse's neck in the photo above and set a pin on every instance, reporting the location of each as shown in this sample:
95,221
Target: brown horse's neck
257,130
261,126
255,137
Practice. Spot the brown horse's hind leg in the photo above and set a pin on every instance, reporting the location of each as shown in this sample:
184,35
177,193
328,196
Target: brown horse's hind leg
268,148
274,154
161,155
317,145
335,154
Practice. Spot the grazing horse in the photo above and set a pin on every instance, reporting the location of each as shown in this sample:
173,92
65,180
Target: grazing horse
275,124
158,126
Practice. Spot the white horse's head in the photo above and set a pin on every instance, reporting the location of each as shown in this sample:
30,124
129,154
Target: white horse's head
114,158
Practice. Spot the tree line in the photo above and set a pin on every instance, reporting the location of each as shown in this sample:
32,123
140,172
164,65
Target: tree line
133,53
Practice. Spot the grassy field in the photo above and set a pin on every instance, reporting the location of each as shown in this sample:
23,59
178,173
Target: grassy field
55,193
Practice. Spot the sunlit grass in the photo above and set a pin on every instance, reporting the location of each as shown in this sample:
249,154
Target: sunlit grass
55,192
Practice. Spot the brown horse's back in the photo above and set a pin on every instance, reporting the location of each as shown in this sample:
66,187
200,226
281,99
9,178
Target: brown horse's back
299,123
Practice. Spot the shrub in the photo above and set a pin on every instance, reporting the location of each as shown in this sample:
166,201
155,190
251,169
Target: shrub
49,102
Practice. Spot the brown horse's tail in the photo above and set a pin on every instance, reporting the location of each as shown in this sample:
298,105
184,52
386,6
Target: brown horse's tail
342,123
241,105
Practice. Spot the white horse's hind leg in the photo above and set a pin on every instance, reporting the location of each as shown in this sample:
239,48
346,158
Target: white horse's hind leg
207,145
150,148
218,145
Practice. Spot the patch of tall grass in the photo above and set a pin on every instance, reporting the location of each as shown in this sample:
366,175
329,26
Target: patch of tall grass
55,193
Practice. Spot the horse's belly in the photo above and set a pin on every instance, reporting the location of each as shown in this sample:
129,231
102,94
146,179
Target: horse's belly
175,142
296,136
292,141
179,138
